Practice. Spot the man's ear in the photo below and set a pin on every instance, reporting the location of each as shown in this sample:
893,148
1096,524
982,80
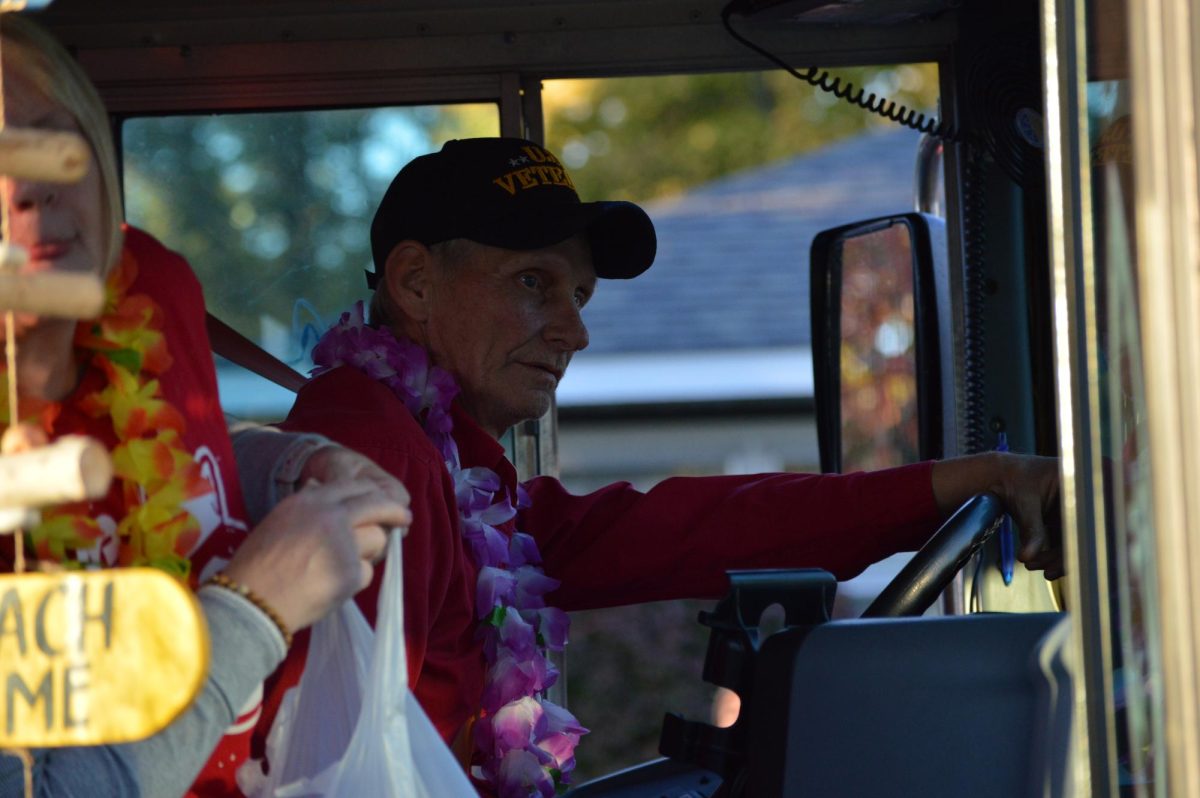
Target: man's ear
407,274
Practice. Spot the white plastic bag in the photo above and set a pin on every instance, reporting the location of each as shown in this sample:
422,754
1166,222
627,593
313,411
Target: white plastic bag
352,727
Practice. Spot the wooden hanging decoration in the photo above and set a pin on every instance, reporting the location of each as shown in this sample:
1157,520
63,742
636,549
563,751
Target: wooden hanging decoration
86,657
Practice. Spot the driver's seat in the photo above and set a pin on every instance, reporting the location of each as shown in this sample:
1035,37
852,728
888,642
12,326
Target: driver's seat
975,705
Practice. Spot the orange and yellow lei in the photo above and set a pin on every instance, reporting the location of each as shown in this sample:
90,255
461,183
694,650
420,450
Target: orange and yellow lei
156,474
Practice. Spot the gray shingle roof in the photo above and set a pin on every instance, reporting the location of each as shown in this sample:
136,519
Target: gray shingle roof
732,265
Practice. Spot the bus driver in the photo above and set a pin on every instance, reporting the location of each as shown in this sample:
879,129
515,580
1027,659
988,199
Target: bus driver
484,256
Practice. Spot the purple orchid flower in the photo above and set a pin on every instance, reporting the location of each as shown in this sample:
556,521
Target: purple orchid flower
495,587
514,725
551,623
510,679
518,637
558,735
559,720
560,748
531,586
475,486
523,550
489,547
512,634
522,776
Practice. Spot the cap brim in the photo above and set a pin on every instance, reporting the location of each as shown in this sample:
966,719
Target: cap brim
620,233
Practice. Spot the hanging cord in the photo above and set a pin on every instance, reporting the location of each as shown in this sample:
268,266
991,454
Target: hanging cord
10,327
824,81
10,333
975,299
26,758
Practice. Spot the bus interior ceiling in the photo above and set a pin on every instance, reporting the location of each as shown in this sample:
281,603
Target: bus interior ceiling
149,56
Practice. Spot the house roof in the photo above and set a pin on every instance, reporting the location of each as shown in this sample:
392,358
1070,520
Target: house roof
732,265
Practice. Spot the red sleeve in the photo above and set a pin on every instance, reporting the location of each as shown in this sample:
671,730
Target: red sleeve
361,414
678,539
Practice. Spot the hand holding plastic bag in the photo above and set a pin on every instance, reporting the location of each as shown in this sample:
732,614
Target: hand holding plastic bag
352,727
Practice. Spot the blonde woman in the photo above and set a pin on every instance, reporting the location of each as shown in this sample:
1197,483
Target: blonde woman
140,378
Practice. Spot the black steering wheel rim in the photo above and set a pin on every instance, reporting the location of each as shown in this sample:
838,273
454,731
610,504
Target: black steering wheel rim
933,567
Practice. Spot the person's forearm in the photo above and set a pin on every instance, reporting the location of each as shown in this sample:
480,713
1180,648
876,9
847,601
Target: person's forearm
956,480
246,648
269,462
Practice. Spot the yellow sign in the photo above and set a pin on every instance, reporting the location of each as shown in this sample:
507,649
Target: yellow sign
91,657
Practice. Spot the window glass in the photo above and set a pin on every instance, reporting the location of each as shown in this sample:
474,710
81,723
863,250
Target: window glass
273,212
1137,675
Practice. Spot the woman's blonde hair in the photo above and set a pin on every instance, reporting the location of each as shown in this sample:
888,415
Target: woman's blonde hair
43,61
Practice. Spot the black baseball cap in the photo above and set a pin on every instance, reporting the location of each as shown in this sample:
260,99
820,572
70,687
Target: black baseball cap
509,193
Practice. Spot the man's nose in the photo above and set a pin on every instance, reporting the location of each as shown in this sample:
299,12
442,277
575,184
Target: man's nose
566,328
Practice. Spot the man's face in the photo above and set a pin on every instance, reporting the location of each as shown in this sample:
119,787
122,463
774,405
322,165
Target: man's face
506,324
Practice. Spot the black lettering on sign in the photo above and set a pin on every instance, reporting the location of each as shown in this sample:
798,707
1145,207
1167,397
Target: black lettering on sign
10,605
39,626
104,616
15,684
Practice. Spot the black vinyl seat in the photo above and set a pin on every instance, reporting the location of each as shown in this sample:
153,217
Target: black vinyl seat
975,705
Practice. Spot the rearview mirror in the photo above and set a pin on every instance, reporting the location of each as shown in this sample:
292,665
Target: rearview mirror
877,331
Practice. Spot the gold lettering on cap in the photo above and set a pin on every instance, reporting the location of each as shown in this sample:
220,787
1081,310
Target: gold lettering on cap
506,182
547,171
527,177
538,155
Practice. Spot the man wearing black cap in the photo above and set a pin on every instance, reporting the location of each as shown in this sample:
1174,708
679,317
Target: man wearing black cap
484,256
519,232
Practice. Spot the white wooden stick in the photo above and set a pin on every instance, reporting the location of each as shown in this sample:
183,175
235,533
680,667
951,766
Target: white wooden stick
70,469
12,257
68,295
52,156
13,518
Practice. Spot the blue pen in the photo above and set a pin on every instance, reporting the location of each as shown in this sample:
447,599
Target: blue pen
1007,545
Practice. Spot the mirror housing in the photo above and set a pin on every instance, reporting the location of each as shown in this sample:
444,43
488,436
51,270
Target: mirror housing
872,243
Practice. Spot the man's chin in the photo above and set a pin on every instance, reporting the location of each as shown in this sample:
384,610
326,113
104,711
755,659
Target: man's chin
536,405
502,417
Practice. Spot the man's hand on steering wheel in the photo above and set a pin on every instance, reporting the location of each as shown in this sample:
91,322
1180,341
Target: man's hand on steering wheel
1028,485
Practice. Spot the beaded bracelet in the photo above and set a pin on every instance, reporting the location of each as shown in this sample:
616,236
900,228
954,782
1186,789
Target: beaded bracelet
221,580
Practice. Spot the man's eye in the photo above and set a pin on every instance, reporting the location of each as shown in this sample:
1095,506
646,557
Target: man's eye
529,280
580,299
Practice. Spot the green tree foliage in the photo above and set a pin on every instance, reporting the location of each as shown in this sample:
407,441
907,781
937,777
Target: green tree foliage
646,138
272,208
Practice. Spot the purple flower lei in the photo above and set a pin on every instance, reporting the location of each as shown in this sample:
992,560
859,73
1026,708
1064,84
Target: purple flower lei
527,743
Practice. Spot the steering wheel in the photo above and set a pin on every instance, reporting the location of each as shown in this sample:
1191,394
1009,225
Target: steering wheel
931,569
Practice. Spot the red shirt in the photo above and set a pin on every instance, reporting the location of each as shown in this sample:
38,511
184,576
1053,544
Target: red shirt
615,546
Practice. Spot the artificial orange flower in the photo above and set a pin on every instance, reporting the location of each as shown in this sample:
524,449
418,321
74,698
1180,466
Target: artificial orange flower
157,475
